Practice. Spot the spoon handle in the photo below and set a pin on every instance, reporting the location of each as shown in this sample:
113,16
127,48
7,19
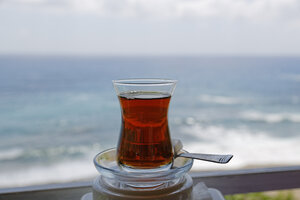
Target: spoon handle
207,157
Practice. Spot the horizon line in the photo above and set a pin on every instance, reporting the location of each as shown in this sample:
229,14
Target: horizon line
145,55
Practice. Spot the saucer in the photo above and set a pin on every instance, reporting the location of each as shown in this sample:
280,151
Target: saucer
107,165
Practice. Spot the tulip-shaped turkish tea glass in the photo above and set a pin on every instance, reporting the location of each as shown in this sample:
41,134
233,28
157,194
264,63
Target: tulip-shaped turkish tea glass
144,142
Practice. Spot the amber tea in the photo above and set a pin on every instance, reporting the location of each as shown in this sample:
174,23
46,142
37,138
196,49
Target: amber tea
145,140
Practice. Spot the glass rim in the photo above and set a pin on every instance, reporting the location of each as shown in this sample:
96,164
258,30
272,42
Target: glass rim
144,82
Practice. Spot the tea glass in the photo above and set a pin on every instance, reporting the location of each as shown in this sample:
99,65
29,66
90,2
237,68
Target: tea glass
144,143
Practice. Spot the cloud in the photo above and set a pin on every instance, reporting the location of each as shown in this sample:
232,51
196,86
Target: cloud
291,77
231,9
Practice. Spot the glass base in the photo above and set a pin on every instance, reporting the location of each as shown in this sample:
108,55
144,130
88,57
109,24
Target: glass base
143,185
130,169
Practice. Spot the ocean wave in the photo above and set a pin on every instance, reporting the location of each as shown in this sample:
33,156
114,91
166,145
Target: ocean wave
247,146
10,154
270,117
205,98
47,153
71,168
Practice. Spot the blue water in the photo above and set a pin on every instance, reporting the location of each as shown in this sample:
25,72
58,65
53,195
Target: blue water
56,113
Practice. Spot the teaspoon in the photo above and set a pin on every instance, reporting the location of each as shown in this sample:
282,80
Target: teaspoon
177,145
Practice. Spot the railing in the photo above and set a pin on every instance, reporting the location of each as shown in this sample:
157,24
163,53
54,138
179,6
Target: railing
251,180
228,182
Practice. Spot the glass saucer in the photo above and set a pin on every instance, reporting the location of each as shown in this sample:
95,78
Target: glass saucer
107,165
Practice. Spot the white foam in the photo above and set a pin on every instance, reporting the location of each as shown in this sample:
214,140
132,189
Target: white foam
205,98
248,148
54,173
10,154
270,117
60,171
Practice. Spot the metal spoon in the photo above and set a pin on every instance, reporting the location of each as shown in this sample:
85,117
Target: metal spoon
177,145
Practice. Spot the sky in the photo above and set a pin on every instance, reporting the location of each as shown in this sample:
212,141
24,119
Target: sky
150,27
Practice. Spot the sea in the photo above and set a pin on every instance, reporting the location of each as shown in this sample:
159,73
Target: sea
58,112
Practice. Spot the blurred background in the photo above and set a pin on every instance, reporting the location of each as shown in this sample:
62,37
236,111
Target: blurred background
237,64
